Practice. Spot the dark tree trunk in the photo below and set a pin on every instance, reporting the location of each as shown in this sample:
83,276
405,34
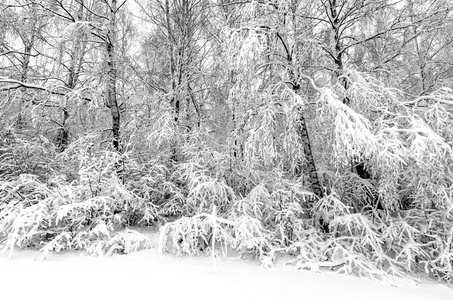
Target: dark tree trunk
111,76
174,101
62,139
308,153
312,172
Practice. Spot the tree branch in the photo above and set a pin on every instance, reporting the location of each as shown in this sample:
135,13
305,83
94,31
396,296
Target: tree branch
12,84
440,97
17,52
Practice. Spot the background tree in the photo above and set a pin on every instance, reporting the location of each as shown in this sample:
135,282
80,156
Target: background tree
184,28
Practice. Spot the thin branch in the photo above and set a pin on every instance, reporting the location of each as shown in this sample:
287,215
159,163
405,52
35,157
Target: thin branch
70,18
444,99
119,6
66,11
12,84
17,52
15,6
374,36
91,11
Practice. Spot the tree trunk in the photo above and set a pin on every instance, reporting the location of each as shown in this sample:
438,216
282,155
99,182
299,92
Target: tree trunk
174,102
62,140
111,75
74,70
25,65
308,153
305,138
336,49
312,172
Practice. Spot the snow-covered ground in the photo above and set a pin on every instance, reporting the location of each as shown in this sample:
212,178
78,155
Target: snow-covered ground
144,275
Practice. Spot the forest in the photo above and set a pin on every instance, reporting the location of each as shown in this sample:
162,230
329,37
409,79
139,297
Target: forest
320,130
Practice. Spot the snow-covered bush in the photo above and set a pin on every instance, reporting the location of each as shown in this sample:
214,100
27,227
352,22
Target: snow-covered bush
395,223
84,213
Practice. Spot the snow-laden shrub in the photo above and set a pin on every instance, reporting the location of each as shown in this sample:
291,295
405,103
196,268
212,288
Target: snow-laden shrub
207,232
82,214
273,213
376,245
20,155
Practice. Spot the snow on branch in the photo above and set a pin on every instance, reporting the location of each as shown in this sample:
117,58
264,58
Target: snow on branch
353,136
7,84
443,95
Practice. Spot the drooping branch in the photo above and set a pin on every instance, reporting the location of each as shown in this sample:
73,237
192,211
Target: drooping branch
443,98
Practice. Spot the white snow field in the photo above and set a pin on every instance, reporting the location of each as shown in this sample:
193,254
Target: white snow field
143,275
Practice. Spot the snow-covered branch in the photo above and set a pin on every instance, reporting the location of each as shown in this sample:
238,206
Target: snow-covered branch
7,84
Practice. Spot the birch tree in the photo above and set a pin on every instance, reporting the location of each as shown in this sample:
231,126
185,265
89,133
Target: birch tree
269,45
110,43
102,24
24,21
182,26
